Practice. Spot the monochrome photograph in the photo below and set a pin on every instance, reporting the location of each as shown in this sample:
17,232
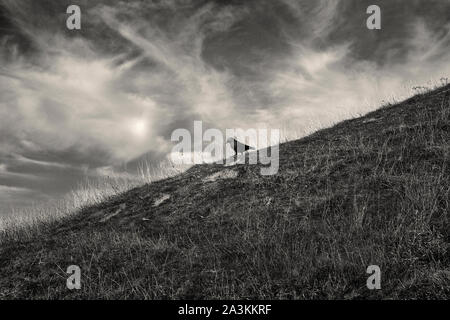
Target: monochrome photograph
243,151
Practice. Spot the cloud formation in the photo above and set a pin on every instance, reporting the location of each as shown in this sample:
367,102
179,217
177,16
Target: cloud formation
74,102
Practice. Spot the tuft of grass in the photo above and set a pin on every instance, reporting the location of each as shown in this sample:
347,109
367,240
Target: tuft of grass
27,222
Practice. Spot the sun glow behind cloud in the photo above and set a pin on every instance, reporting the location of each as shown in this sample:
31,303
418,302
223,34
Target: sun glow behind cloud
139,128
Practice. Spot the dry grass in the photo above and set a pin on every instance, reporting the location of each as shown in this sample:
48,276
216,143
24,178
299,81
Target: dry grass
370,190
26,222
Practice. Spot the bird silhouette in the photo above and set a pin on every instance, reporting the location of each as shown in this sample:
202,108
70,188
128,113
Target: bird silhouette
238,147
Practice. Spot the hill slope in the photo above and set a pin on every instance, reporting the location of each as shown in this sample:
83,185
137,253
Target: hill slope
371,190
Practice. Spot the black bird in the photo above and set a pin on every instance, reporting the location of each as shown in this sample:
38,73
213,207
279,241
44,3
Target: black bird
238,147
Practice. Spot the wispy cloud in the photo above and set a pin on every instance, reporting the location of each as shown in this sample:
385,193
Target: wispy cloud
85,100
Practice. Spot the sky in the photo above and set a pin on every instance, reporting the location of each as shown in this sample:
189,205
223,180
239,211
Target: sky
86,103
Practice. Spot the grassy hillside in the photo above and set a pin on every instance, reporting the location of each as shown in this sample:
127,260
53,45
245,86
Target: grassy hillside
371,190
